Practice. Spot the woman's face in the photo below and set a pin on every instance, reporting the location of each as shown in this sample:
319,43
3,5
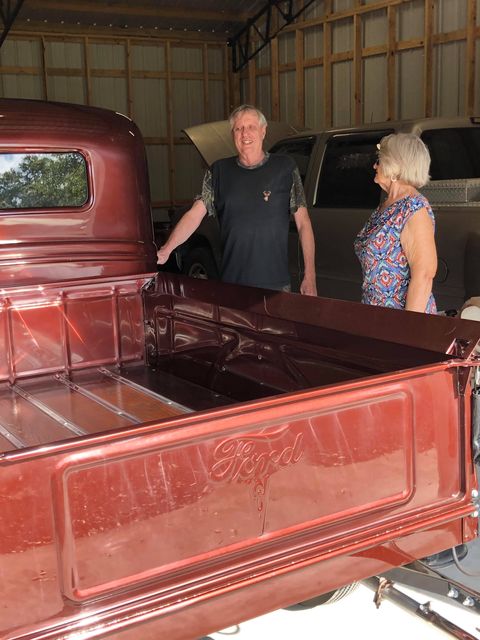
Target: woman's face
379,177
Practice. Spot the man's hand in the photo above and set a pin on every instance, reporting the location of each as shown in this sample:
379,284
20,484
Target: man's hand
308,286
163,255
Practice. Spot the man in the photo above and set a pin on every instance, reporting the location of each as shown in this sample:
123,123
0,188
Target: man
253,196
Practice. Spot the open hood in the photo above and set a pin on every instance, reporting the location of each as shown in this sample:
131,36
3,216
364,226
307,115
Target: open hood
214,139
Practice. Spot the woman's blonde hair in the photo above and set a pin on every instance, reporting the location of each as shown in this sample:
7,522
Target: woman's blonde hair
404,156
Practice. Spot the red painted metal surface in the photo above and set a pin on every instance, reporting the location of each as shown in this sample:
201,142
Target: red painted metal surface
188,524
111,235
178,455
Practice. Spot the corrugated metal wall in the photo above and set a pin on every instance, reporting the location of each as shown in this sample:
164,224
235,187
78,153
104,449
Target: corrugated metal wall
343,62
346,62
163,85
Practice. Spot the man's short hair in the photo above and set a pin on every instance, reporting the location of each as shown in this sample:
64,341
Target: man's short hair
247,107
404,156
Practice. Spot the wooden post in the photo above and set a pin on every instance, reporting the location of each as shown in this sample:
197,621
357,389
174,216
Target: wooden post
428,59
275,79
206,101
44,68
129,78
252,82
470,58
170,136
391,62
327,66
357,67
88,80
299,78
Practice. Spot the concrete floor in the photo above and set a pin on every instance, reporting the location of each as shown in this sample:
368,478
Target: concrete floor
356,616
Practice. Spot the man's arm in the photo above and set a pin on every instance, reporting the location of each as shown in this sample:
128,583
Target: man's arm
188,223
305,233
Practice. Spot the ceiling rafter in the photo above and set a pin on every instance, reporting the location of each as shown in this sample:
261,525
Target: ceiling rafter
8,12
126,9
245,47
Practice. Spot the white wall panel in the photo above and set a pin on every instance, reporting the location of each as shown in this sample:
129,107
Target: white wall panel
287,96
314,98
149,106
147,57
216,100
264,95
187,104
15,86
449,71
342,92
409,84
189,170
215,60
286,47
64,55
157,158
375,28
66,89
187,59
342,36
110,93
315,10
107,55
263,58
313,42
342,5
374,84
450,15
21,53
410,20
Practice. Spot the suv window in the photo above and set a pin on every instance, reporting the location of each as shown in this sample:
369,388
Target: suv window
455,153
42,180
346,177
300,149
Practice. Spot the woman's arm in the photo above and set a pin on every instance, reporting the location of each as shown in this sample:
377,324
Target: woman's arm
418,242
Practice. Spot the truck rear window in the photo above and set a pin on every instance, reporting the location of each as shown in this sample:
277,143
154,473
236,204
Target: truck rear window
42,180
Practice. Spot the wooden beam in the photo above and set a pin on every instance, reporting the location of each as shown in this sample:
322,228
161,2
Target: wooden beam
327,67
391,62
86,61
357,68
470,57
129,9
299,78
128,53
171,150
206,100
275,80
428,59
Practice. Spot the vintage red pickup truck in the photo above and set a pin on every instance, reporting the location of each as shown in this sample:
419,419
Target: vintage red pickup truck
178,455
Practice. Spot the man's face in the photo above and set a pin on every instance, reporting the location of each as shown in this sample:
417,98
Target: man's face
248,134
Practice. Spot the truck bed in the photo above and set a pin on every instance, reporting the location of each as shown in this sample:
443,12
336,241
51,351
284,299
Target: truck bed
180,455
46,409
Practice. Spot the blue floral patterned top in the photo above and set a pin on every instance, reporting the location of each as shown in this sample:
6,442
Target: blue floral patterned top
386,272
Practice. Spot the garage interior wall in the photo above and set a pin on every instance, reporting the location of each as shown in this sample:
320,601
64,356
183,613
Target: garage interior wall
342,62
347,62
163,85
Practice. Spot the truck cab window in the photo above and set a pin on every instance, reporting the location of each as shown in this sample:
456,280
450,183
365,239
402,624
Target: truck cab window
299,149
455,152
346,176
42,180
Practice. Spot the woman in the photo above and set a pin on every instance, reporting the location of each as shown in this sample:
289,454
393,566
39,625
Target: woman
396,247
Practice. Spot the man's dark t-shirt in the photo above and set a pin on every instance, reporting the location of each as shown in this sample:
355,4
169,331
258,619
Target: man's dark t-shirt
253,206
